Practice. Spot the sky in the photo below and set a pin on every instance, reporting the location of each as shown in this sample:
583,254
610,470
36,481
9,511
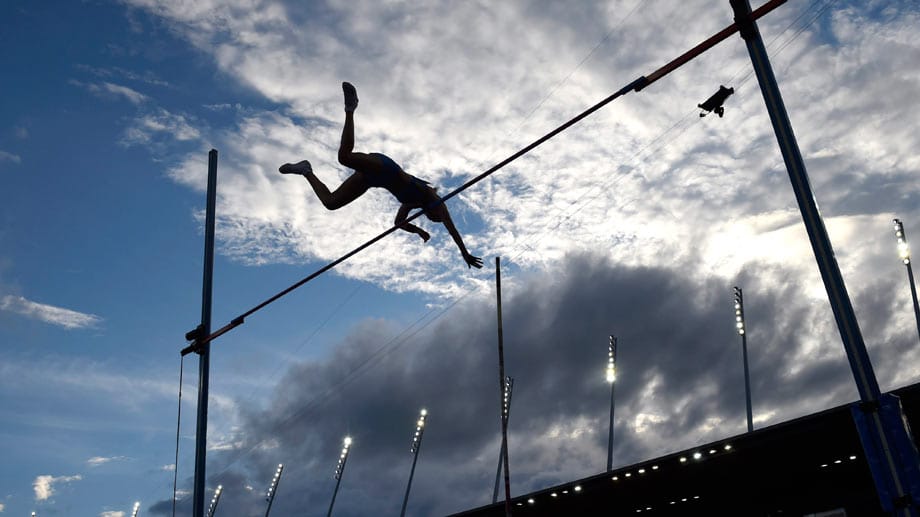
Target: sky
637,222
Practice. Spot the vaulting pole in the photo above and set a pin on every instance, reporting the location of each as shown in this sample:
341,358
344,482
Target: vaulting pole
889,450
501,385
201,435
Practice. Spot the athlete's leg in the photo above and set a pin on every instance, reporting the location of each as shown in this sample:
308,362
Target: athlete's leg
352,188
351,159
348,191
347,156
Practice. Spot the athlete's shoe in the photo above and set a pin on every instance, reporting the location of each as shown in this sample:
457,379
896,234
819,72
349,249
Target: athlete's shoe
351,97
303,168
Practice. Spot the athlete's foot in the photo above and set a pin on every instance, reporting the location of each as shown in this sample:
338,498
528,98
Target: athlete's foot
424,235
302,168
351,97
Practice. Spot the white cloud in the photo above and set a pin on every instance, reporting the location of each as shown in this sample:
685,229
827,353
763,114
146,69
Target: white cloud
2,507
118,513
44,485
9,157
146,128
112,90
97,461
169,468
59,316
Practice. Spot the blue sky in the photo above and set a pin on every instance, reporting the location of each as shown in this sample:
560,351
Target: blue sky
636,222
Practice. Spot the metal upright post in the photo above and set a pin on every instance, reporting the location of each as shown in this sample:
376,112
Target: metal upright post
886,443
201,435
501,383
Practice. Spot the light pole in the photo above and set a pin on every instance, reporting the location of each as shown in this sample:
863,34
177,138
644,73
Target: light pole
739,325
611,379
506,413
904,252
137,507
416,445
213,506
339,470
270,496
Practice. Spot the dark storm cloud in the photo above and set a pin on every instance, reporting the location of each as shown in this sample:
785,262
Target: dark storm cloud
680,383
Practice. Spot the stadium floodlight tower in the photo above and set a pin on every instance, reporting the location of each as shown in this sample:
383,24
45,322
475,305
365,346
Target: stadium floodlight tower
270,496
339,470
213,506
739,326
137,507
611,379
904,252
416,445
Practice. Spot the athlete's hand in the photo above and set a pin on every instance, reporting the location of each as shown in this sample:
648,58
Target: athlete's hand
472,261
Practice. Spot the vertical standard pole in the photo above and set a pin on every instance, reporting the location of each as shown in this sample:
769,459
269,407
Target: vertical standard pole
882,439
611,378
817,233
201,436
501,384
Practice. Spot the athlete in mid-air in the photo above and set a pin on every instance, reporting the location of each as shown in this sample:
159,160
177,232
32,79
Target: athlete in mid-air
378,170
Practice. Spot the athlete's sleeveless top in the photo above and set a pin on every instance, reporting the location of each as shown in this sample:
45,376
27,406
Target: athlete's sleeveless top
413,193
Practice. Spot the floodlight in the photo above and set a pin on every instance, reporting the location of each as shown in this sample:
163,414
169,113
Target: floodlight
343,458
739,310
611,360
903,247
213,506
904,252
419,431
273,488
137,507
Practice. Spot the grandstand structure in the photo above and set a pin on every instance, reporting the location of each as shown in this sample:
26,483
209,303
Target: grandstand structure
810,466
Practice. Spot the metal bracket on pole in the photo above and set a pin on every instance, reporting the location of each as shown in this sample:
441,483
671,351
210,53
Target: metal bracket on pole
195,337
